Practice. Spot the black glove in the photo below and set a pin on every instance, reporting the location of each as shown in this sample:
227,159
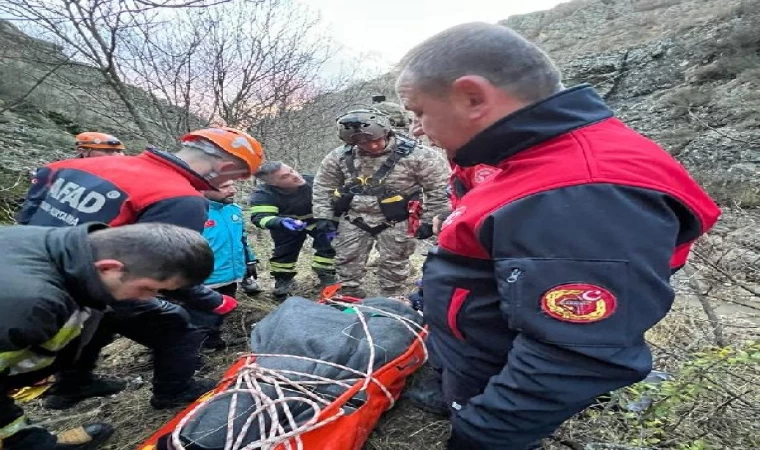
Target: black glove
424,231
250,270
325,226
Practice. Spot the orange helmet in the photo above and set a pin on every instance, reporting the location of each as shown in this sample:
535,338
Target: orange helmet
234,142
97,141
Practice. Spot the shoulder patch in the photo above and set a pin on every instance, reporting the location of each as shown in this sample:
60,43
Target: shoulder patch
578,303
209,223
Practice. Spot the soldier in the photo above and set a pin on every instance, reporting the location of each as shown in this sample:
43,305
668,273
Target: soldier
283,206
371,182
398,117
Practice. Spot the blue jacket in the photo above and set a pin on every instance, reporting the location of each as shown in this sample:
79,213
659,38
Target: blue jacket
225,232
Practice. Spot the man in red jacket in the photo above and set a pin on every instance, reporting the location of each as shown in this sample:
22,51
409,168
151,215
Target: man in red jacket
547,275
154,186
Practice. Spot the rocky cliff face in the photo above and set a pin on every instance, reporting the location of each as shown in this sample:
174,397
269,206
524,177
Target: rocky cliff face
685,73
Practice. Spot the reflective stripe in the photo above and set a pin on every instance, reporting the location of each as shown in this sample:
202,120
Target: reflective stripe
282,267
13,427
264,209
27,360
312,226
322,259
316,265
263,222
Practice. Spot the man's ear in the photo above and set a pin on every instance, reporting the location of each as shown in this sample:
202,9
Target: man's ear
109,265
471,95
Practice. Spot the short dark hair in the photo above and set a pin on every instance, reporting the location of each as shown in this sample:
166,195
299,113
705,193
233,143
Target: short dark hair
495,52
158,251
268,168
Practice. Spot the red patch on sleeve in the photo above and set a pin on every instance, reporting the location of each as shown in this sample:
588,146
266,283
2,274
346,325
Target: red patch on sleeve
209,223
578,303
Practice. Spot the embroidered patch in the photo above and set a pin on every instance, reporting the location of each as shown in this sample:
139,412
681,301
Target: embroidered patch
453,216
578,303
209,223
482,174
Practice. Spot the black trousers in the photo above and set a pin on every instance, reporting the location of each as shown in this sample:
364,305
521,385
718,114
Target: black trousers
163,327
287,246
210,323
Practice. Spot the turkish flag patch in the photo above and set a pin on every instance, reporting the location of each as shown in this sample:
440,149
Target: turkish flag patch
578,303
209,223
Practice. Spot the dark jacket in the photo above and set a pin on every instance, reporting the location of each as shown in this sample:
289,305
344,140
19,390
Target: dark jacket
547,275
49,289
269,204
152,187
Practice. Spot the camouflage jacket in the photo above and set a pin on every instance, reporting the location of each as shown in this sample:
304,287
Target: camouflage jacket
424,169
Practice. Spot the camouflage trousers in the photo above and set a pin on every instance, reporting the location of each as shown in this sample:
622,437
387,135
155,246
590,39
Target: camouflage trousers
394,246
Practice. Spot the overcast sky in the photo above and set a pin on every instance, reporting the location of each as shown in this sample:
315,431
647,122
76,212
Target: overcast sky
388,28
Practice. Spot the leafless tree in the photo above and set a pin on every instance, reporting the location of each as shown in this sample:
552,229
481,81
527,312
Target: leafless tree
92,31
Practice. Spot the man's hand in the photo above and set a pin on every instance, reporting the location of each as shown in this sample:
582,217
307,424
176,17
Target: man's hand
227,306
424,231
325,226
292,224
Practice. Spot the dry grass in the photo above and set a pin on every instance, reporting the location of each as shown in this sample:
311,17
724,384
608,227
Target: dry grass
677,341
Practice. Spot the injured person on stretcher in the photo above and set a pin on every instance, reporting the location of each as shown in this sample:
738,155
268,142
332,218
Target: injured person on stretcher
320,373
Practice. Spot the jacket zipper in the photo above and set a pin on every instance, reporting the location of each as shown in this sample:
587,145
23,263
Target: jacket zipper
513,299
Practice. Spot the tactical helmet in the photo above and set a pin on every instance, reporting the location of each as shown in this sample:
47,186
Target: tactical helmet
362,125
395,112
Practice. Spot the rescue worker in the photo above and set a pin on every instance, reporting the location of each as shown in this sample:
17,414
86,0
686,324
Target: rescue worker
57,284
234,261
371,182
461,181
398,118
154,186
547,275
283,205
93,144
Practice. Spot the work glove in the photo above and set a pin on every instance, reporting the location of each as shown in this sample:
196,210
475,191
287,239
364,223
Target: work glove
227,306
424,231
325,226
250,270
292,224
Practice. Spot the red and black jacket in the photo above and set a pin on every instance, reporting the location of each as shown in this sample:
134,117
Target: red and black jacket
547,275
118,190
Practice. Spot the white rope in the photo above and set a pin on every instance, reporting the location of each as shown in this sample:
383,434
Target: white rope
250,378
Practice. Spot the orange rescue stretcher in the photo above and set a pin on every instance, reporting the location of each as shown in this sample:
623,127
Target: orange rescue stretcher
349,432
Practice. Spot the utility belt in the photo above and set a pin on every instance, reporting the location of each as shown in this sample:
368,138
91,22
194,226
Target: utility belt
394,206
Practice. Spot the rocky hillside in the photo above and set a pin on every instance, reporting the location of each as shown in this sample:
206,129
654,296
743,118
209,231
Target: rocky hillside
684,72
46,99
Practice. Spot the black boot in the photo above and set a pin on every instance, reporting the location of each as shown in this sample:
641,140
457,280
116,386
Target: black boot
325,279
425,392
86,437
282,287
70,390
195,389
214,341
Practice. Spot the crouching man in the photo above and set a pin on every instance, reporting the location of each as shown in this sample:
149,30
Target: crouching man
57,282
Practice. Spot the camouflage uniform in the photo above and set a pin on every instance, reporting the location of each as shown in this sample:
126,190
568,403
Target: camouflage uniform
421,170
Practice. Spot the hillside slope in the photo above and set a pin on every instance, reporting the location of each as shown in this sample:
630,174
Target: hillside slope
684,72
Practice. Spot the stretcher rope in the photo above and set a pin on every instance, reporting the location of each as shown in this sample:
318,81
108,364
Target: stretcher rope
249,381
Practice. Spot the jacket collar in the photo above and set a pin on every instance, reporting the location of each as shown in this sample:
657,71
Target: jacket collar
561,113
170,161
72,254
